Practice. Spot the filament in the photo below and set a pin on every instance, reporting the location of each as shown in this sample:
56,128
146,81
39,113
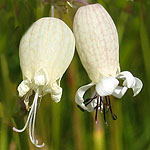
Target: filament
31,121
103,104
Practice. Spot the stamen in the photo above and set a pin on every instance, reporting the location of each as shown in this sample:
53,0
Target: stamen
112,114
31,121
89,100
28,119
96,110
107,104
103,103
104,111
40,96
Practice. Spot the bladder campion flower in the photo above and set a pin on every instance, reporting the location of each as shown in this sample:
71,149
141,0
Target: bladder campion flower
98,48
45,52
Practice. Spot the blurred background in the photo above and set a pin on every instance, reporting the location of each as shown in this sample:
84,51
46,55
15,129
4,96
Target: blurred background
64,125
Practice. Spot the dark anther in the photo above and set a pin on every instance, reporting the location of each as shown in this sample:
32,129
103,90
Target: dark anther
103,103
114,117
112,114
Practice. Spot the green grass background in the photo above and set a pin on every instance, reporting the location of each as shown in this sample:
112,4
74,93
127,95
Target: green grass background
63,125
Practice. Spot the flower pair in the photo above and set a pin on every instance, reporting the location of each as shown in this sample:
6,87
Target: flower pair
47,49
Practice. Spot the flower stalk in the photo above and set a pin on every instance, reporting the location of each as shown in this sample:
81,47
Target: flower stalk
52,8
31,121
84,2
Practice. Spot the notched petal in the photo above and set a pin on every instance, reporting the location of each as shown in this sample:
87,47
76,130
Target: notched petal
56,91
119,91
138,86
80,94
106,86
129,80
24,87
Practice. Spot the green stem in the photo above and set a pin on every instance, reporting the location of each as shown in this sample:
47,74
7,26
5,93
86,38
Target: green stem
81,1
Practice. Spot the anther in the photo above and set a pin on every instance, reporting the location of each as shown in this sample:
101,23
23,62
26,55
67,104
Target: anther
96,110
114,117
104,111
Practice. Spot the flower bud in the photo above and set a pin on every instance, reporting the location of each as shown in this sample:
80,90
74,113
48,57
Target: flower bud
96,41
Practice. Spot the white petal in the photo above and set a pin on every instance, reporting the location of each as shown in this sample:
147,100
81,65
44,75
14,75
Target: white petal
119,91
40,48
80,93
24,87
56,91
106,86
129,80
138,86
92,105
98,53
40,77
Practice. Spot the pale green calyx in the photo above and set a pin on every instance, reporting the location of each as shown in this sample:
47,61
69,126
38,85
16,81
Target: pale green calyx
24,87
45,52
40,78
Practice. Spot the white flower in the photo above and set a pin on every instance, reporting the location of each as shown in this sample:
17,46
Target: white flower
98,48
45,51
